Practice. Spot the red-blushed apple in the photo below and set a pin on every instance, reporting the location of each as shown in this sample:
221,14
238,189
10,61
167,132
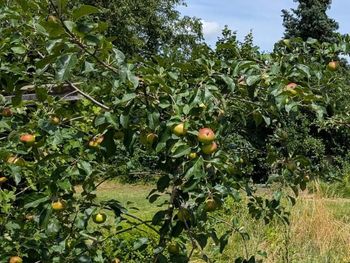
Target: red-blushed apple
333,65
291,88
206,135
180,130
6,112
27,138
16,259
209,148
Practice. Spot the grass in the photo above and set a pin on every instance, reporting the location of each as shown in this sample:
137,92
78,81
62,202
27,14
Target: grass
319,231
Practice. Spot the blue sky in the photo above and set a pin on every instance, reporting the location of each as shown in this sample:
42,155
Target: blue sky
263,17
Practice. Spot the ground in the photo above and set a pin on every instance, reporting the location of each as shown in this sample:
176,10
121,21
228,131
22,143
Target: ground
319,231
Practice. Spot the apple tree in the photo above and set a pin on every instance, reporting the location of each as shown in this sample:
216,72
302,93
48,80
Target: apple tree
74,112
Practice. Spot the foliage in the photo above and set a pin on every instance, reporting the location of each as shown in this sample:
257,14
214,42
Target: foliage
126,111
148,27
310,20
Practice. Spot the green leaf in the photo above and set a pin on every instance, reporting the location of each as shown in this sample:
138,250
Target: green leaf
181,150
141,243
65,66
84,10
252,80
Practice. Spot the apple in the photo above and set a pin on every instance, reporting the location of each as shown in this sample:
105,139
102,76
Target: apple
55,120
96,141
6,112
150,138
29,217
333,65
3,179
192,155
116,260
99,218
52,19
15,160
27,138
210,204
307,178
57,206
291,88
209,148
183,215
206,135
180,130
15,259
174,248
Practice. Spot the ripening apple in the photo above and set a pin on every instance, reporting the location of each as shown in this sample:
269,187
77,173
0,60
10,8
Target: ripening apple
3,179
96,141
99,218
291,88
150,138
15,160
6,112
180,130
55,120
57,206
206,135
174,248
27,138
16,259
52,19
210,204
333,65
209,148
192,155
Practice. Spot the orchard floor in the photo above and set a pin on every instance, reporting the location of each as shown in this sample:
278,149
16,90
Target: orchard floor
319,231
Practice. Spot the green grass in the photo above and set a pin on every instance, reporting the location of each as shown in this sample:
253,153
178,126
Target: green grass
319,230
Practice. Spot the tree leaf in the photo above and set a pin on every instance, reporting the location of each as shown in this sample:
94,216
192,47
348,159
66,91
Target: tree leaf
84,10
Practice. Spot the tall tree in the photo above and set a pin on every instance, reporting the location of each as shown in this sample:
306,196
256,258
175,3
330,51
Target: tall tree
310,20
148,27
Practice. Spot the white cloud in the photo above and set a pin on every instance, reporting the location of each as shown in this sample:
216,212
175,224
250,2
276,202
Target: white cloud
211,29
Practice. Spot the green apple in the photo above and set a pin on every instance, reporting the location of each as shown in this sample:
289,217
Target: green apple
99,218
174,248
209,148
180,130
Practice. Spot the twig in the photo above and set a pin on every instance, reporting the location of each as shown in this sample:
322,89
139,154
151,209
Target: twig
88,96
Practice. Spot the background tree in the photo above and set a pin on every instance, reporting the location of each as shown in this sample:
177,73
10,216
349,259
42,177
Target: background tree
310,20
147,27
